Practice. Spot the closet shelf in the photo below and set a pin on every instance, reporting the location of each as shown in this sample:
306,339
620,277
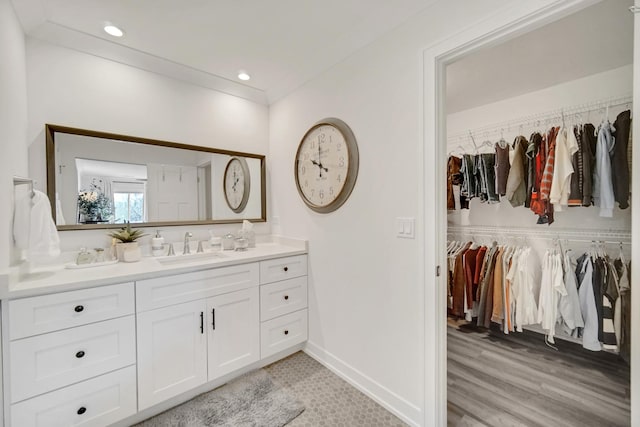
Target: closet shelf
559,233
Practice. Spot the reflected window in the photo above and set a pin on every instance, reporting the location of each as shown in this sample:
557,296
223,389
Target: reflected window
129,202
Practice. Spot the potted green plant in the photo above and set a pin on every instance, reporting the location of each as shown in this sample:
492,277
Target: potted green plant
127,248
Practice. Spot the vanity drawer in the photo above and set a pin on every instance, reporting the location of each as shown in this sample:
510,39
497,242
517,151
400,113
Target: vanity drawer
47,313
283,332
278,269
171,290
99,401
46,362
283,297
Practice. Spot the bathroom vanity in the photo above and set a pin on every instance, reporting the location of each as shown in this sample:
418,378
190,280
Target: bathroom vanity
117,344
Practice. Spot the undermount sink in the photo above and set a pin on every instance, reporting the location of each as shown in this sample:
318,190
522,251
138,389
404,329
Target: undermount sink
183,259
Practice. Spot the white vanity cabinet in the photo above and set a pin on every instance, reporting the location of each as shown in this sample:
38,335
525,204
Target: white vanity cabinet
184,345
72,357
283,304
118,353
233,331
172,347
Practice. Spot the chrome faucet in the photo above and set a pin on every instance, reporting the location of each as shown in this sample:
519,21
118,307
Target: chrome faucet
187,249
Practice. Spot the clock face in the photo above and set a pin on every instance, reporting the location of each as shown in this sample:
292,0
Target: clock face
236,184
325,167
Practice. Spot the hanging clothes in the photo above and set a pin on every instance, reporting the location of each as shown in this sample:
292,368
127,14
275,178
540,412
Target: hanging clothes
588,148
610,295
569,313
470,259
603,196
551,290
488,178
502,166
624,336
588,307
486,281
454,164
516,188
549,165
566,146
531,154
527,289
459,283
544,174
469,185
619,161
576,186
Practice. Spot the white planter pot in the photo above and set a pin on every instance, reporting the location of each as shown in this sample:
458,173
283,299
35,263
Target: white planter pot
128,252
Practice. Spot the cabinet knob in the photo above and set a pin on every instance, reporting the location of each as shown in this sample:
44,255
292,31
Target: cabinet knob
286,297
82,410
79,308
286,269
80,354
286,332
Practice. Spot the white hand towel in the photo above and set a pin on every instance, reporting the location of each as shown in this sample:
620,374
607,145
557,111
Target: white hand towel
33,228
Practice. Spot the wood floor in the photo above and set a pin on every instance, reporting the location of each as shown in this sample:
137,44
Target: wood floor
499,380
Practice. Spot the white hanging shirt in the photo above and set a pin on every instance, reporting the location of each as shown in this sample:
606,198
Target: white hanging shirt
566,147
552,288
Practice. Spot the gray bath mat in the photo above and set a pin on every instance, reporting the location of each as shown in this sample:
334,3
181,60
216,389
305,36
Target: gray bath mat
250,400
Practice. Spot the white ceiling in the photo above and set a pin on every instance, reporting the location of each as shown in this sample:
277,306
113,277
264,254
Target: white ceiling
281,43
594,40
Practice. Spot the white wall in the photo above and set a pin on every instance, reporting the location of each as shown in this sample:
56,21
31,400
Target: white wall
616,83
13,119
70,88
366,293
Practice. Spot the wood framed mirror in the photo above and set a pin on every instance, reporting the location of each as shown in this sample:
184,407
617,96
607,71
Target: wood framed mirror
101,180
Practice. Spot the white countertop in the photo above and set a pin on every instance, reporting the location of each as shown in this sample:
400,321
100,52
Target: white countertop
57,278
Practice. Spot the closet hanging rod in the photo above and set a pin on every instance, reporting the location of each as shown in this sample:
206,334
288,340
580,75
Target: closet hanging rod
605,242
595,234
530,119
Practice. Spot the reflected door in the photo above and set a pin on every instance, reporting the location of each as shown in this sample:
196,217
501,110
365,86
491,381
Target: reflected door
172,192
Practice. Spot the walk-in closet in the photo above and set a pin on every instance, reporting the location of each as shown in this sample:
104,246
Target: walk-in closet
538,252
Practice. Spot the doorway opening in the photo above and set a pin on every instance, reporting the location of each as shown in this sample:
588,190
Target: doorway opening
490,100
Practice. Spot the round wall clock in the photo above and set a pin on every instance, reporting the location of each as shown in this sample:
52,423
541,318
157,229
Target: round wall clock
326,165
237,184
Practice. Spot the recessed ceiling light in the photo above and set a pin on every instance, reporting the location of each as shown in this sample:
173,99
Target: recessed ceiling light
112,30
242,75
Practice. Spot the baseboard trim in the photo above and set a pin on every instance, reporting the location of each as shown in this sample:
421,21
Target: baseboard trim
400,407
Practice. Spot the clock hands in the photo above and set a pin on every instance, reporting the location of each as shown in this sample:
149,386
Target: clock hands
319,162
235,181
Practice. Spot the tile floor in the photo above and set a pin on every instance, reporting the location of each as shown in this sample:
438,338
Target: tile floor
329,400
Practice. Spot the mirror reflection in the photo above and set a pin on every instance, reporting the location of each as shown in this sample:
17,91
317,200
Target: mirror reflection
98,179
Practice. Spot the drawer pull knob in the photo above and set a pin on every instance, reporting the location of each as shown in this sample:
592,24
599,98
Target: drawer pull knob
80,354
286,269
82,410
286,332
79,308
286,297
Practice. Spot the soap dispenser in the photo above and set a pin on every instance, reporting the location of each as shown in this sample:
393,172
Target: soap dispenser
157,244
215,242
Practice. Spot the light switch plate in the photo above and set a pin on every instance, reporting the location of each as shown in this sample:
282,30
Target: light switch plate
406,227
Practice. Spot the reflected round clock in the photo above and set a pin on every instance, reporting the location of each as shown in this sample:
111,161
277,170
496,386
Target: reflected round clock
237,184
326,165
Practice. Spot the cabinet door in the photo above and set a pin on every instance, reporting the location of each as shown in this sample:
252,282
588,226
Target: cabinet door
234,331
172,347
